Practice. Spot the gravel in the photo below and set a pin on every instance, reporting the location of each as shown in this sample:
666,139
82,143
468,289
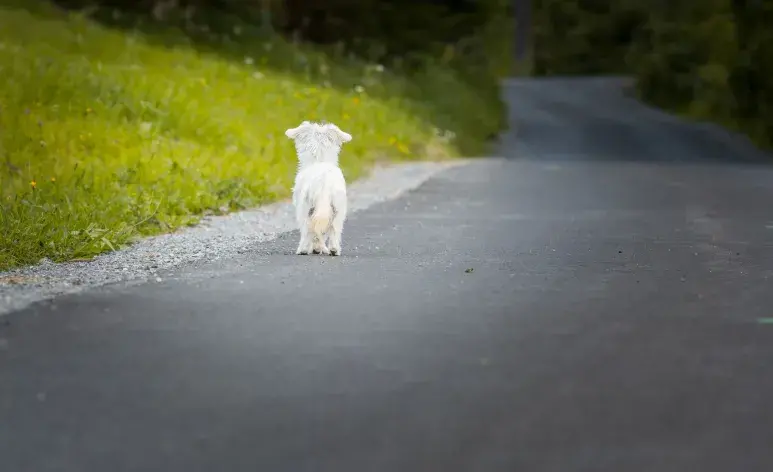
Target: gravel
215,238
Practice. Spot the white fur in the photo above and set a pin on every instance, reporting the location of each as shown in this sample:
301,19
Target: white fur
319,193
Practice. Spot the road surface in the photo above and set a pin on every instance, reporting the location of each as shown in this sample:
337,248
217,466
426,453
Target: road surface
597,298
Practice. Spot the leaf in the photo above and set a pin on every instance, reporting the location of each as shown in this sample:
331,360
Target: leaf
108,243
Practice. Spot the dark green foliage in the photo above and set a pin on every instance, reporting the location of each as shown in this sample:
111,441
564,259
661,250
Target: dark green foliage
709,59
575,37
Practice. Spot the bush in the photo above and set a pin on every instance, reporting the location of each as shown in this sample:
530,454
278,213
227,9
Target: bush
583,37
707,59
109,134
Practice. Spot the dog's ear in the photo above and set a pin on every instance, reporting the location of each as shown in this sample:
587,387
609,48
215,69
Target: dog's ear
292,133
342,136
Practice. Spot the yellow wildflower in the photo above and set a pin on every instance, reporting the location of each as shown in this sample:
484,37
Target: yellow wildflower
33,184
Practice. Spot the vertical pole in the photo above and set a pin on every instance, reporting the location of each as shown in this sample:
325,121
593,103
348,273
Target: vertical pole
522,13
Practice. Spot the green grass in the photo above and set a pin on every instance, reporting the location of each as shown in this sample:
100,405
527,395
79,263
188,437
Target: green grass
107,134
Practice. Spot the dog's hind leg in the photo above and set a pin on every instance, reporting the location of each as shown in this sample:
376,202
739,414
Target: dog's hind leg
337,228
305,244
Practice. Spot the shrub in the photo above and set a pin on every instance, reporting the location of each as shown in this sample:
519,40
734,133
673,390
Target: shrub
707,59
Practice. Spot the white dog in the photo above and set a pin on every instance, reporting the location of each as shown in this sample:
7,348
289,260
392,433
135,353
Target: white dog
319,193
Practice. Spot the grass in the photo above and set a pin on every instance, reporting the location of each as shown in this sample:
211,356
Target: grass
108,134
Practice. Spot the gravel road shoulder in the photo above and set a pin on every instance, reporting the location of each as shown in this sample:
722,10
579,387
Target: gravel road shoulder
215,238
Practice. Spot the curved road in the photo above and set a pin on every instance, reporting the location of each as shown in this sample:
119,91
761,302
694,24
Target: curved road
598,298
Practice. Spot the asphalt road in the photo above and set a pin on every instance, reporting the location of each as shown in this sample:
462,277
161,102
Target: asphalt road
599,298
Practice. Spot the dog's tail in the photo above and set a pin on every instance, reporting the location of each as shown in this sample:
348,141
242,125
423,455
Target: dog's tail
319,220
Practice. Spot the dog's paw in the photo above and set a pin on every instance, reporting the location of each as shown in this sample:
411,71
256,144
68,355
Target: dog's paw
335,251
302,252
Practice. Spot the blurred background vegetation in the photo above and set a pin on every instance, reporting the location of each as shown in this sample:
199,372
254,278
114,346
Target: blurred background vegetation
706,59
